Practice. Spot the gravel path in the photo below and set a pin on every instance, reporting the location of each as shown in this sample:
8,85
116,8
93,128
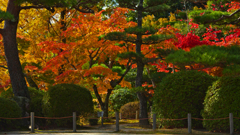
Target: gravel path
125,129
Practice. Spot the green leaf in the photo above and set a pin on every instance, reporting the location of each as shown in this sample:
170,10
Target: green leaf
143,31
6,15
153,39
119,36
101,37
130,55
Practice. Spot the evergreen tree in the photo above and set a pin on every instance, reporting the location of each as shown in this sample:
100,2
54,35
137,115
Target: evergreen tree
140,7
218,13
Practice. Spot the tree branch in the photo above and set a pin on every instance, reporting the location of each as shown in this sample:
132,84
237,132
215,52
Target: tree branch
97,52
69,62
2,65
233,22
224,17
126,71
97,94
86,10
37,7
52,27
154,42
151,60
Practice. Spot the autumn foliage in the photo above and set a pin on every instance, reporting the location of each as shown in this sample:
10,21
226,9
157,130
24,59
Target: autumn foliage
85,51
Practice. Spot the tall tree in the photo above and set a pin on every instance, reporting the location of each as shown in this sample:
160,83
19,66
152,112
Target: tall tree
139,6
9,32
90,60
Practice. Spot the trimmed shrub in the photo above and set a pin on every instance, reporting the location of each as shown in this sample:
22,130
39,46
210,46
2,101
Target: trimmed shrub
7,93
9,109
121,97
221,99
35,103
62,100
129,110
179,94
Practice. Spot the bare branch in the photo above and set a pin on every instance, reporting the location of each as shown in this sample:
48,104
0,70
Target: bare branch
3,67
52,27
98,56
129,64
69,62
36,7
71,18
97,52
86,10
97,94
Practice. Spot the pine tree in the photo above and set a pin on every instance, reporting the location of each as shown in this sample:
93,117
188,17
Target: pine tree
143,36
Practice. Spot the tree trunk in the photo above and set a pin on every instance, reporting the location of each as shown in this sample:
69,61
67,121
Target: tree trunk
104,105
64,40
11,51
107,102
18,82
143,115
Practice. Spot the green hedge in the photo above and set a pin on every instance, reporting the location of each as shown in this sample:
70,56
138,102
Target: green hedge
221,99
9,109
179,94
62,100
35,103
121,97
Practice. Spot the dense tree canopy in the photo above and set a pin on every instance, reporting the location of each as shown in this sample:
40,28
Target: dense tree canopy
44,43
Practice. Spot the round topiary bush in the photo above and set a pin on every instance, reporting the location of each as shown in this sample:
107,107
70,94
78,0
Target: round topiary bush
9,109
36,99
62,100
129,110
35,103
179,94
221,99
121,97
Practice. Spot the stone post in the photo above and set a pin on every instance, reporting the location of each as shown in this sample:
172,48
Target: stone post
189,123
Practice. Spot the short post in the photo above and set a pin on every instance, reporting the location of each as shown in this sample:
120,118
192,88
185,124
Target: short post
120,116
189,123
154,121
102,120
100,114
231,123
151,112
136,115
74,122
117,121
32,122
